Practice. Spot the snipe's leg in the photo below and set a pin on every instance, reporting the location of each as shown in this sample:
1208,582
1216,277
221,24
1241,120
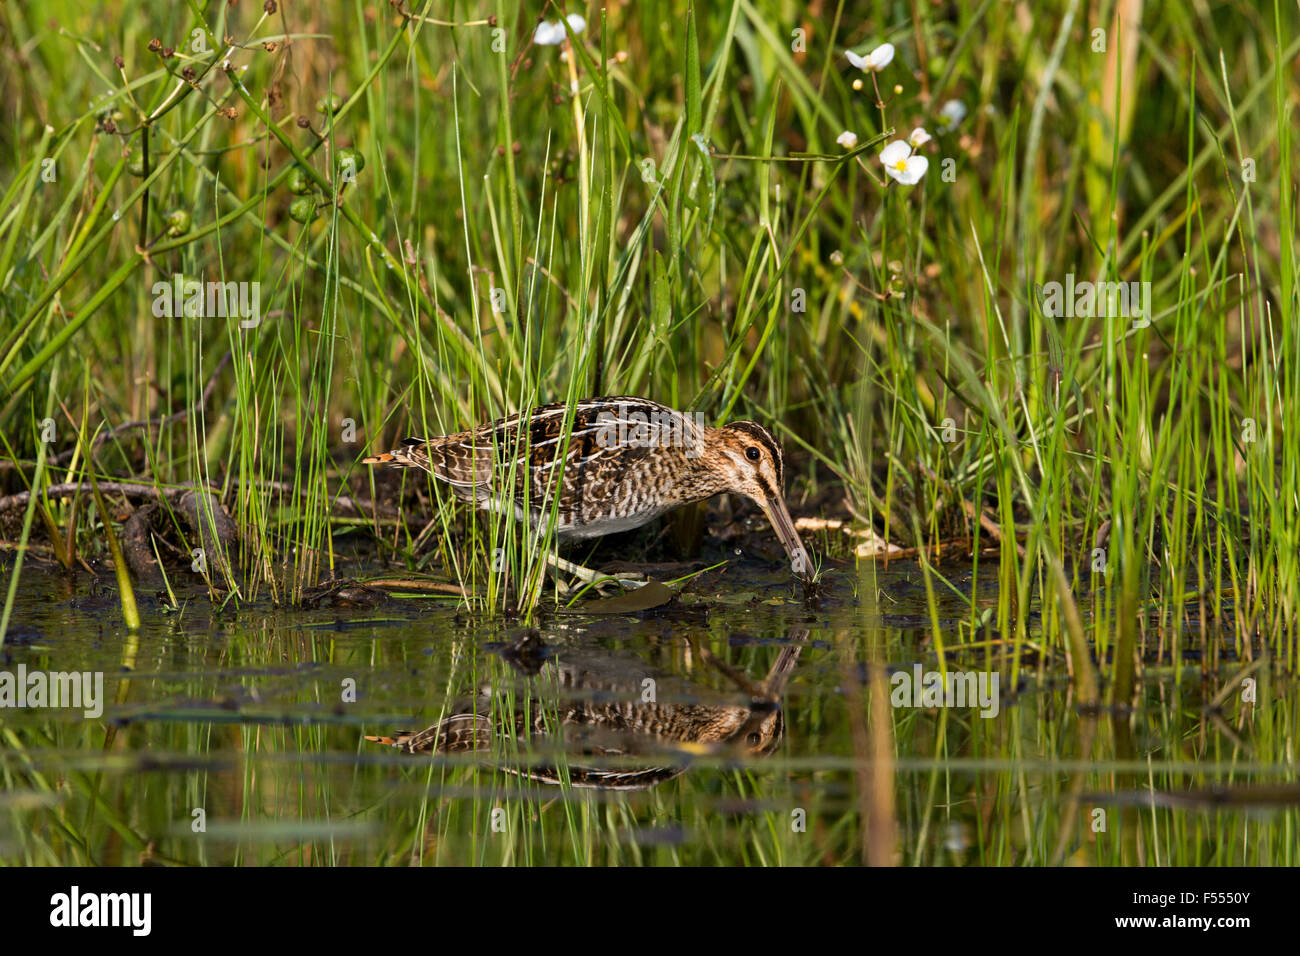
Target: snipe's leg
588,576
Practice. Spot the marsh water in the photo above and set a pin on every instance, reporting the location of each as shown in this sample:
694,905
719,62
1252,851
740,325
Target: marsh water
733,725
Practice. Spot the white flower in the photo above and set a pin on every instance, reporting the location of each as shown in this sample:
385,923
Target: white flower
847,139
873,62
919,137
551,32
902,165
548,33
953,112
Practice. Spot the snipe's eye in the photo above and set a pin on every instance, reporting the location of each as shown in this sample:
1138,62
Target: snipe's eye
753,739
752,453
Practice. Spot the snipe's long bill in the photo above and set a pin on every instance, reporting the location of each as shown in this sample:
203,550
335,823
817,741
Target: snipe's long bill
627,461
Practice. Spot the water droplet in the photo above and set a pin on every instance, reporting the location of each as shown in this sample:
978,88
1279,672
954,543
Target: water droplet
117,215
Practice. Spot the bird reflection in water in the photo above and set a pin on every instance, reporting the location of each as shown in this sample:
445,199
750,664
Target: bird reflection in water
609,706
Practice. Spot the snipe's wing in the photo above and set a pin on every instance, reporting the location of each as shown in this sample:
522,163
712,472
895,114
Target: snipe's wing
524,453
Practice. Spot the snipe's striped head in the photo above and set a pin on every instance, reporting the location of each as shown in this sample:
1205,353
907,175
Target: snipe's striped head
755,468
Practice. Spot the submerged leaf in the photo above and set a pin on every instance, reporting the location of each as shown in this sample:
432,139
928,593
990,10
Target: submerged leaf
650,595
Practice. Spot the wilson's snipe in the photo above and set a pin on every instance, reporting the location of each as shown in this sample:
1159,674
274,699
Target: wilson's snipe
627,461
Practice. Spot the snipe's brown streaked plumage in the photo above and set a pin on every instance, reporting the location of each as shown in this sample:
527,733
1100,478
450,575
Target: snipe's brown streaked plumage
627,461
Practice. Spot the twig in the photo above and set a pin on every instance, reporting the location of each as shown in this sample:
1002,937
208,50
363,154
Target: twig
131,489
69,488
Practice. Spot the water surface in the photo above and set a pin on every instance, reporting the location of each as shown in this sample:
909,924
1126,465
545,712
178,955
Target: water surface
733,726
